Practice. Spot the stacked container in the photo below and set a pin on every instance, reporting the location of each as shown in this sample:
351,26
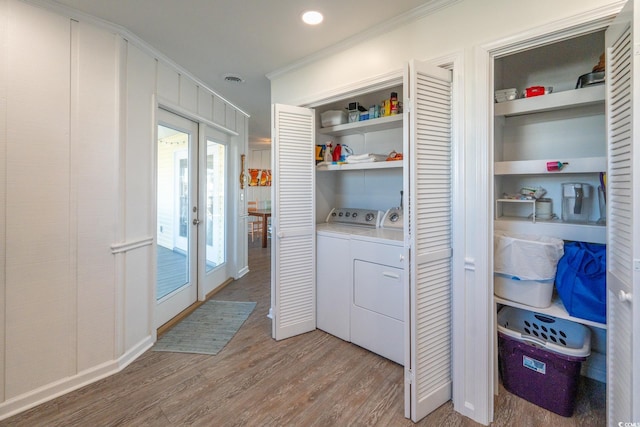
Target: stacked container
540,357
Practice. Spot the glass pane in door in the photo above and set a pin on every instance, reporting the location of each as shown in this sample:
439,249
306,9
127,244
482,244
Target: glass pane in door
215,196
173,211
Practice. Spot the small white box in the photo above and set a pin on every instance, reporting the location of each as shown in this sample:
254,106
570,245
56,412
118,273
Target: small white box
534,293
333,118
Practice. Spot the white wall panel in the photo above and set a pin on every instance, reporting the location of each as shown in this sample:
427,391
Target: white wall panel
40,293
238,256
265,161
139,143
136,310
168,83
94,150
219,110
3,164
205,103
188,94
230,118
139,191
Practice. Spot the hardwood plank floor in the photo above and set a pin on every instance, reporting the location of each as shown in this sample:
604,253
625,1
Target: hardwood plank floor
311,380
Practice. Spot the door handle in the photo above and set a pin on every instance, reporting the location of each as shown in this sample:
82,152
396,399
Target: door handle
624,296
196,221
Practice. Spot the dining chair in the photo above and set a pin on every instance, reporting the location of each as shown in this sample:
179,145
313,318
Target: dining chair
255,224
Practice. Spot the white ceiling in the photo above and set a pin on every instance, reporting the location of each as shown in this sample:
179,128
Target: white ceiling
249,38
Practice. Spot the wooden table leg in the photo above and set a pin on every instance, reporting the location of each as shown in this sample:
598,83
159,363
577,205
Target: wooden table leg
264,231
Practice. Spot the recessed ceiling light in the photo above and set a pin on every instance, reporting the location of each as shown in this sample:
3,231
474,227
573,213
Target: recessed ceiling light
233,78
312,17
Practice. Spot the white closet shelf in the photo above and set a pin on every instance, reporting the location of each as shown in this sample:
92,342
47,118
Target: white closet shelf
556,309
373,125
589,232
360,166
539,167
554,101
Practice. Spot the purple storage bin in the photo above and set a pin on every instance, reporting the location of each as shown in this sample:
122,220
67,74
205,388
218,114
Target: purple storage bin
543,371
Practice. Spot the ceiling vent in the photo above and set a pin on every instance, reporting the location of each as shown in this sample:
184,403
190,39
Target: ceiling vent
233,78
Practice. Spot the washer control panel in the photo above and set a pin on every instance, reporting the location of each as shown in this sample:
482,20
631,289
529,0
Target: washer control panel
392,219
353,216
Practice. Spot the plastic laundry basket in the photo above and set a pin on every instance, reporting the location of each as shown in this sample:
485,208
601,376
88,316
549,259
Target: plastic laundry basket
540,357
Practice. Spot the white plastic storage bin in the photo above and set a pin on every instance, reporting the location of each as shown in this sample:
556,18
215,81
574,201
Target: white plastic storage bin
534,293
333,118
527,257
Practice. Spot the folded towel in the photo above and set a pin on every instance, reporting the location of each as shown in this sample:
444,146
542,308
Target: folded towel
360,156
365,158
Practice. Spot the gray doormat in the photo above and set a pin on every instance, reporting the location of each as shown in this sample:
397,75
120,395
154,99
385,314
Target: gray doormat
208,329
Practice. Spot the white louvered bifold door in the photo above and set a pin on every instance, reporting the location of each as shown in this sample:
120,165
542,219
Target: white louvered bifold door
428,365
623,237
293,271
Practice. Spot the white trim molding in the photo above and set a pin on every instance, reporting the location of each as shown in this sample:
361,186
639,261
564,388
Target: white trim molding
371,84
181,111
584,23
50,391
117,248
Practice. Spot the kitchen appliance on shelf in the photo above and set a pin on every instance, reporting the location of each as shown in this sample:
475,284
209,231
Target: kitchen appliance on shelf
590,79
577,199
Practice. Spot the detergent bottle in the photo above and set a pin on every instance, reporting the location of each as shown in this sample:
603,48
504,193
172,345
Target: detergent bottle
328,153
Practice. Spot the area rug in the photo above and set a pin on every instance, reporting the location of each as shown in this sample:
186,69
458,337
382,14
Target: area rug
208,329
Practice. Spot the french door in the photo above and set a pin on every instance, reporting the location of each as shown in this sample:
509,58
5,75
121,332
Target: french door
177,215
191,209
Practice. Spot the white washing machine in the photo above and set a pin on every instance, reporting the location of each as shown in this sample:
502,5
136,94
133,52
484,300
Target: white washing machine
334,267
360,294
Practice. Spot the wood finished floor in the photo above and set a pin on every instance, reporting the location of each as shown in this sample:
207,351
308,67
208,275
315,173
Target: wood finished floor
310,380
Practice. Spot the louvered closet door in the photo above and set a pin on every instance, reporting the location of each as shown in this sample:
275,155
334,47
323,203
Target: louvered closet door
429,219
293,288
623,241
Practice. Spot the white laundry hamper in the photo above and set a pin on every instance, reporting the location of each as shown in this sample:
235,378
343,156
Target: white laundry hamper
525,267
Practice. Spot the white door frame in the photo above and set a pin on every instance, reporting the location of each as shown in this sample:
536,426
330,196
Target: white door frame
478,404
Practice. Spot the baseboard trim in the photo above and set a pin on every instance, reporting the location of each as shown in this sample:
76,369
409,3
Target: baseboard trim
243,271
58,388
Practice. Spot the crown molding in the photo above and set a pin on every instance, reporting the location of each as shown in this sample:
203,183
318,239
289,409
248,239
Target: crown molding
583,23
429,8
